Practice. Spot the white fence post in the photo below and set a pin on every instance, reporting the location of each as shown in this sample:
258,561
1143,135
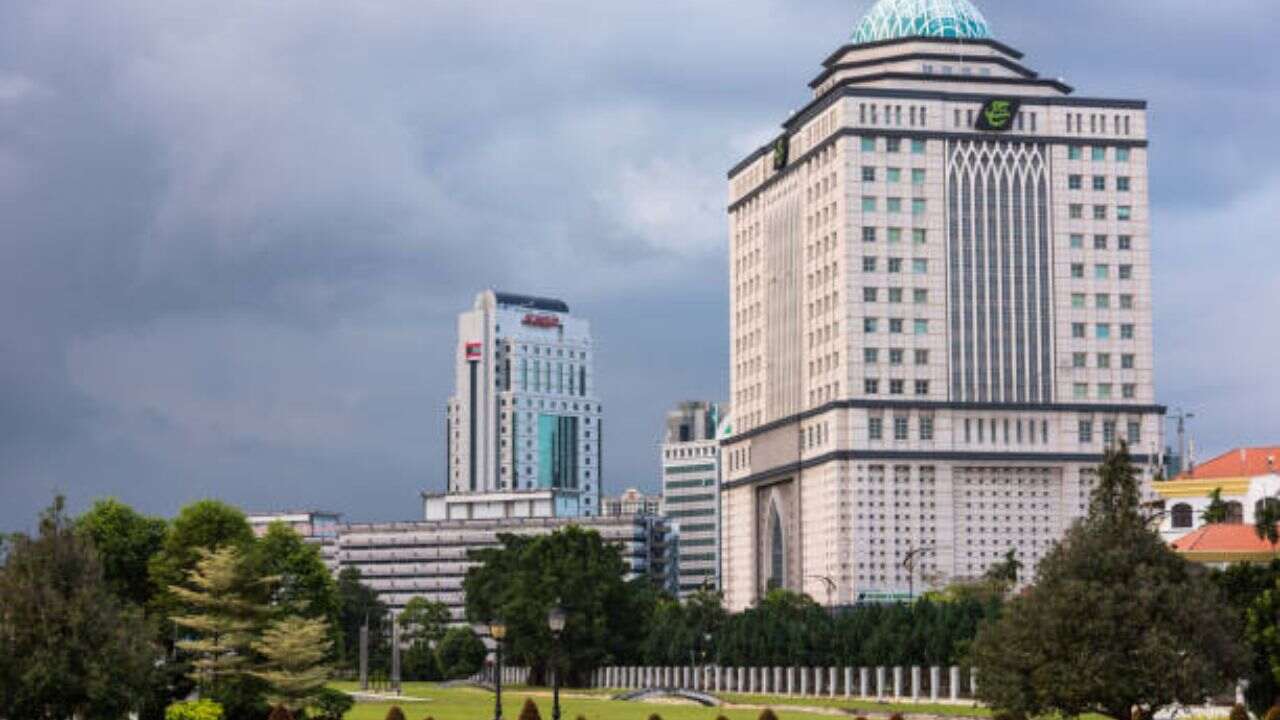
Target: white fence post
935,679
881,675
915,682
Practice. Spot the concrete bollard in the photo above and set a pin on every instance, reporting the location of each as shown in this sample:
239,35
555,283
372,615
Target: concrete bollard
737,687
791,681
864,682
804,680
973,683
915,682
832,679
935,679
897,682
881,681
777,681
848,682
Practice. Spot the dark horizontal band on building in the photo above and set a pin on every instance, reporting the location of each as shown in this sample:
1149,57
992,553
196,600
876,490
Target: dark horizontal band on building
787,470
988,42
1022,70
863,404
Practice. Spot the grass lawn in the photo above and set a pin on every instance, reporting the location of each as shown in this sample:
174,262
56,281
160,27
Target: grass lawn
869,706
474,704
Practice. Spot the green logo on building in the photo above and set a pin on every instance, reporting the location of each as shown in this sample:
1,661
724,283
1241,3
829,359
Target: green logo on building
997,114
781,149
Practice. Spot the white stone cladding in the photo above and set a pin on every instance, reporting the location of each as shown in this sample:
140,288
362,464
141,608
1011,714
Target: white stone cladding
935,330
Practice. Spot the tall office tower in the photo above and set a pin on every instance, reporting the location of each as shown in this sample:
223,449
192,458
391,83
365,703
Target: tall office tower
691,493
940,314
523,428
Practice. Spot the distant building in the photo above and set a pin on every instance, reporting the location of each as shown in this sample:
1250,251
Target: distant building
1246,478
315,526
402,560
631,502
522,430
690,465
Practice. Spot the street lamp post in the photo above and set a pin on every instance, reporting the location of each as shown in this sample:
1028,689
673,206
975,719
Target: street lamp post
498,631
555,621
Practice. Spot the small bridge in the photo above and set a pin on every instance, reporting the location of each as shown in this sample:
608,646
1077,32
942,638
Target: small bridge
701,698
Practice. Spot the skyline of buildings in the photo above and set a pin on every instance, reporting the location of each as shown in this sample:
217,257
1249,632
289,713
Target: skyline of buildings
940,300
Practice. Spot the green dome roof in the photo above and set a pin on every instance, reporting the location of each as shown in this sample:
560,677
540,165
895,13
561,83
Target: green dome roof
893,19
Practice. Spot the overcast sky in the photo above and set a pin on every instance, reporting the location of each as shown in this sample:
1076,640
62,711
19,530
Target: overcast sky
234,236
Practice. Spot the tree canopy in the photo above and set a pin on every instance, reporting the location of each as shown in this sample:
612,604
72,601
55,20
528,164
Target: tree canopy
126,540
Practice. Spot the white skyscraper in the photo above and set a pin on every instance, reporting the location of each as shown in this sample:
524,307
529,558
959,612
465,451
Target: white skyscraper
940,290
523,427
691,493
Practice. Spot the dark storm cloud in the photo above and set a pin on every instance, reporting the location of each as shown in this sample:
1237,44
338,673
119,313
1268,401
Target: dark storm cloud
236,235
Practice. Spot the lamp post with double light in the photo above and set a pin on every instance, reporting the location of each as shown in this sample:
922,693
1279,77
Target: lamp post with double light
555,621
498,631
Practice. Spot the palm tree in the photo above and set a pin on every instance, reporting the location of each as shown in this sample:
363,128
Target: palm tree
1217,510
1266,521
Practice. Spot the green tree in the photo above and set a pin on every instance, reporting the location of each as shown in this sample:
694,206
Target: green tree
1216,512
69,647
200,526
358,604
424,620
1266,521
295,649
1242,584
419,662
1006,571
126,541
1115,620
461,653
218,607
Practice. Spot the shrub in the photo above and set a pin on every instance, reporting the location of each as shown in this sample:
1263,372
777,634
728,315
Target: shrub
1273,713
768,714
395,713
655,716
1238,712
721,717
194,710
530,710
332,704
580,717
280,712
895,716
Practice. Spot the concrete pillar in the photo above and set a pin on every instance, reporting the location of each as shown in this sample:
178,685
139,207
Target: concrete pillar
776,686
819,681
955,682
848,682
897,682
791,681
973,682
804,680
737,686
935,679
864,682
881,681
915,682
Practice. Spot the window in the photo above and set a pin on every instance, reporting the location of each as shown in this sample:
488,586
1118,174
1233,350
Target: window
1077,242
917,176
868,264
893,205
1099,242
868,174
1104,393
875,428
1125,242
922,357
1099,212
1077,301
919,266
892,145
899,428
869,294
918,206
1109,432
917,147
895,326
926,427
921,327
1075,182
895,236
1075,210
895,356
871,386
893,175
1104,361
1074,152
1080,391
1126,272
1122,154
1077,330
1098,154
1102,301
922,387
895,295
1124,212
1122,184
895,265
870,356
868,234
897,387
868,204
1133,434
1099,182
869,325
919,237
1103,331
1128,361
1126,331
1086,431
920,296
1181,515
1079,360
1129,391
1101,272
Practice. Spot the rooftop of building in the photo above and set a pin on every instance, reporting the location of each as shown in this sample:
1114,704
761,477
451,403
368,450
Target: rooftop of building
1237,463
531,302
895,19
1224,542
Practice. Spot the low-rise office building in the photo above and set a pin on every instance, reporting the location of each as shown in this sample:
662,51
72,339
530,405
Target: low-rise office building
631,502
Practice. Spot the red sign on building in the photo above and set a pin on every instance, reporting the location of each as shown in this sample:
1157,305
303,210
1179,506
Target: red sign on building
542,321
474,351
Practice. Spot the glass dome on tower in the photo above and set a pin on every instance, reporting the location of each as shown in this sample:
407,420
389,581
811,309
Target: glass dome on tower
893,19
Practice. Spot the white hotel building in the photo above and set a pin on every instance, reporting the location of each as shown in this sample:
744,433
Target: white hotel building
523,428
940,314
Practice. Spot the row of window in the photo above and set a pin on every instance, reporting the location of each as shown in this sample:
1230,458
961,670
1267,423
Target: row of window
892,175
919,266
1101,301
1102,331
1102,271
1098,182
1098,123
871,386
1079,360
919,236
895,295
901,428
897,356
1133,432
893,205
891,145
1104,391
1097,153
897,326
1101,242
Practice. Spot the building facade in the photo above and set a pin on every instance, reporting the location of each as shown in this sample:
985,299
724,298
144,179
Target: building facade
940,290
690,462
403,560
523,428
1246,479
316,527
631,502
